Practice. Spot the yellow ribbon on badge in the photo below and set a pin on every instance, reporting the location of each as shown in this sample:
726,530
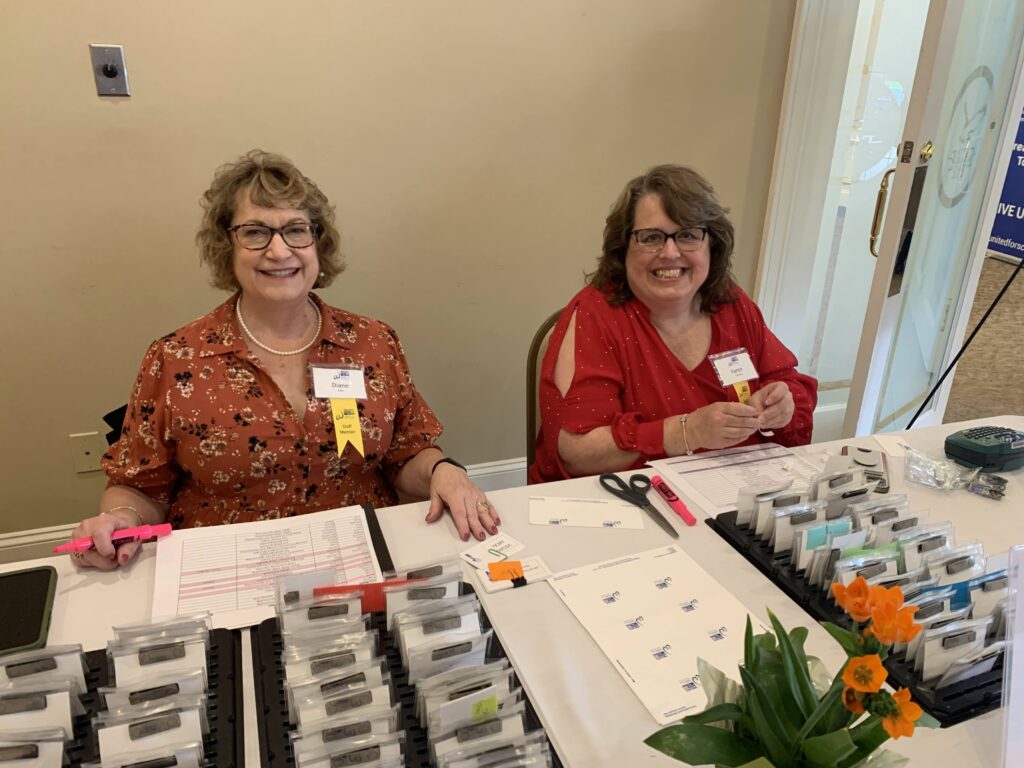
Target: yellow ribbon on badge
347,428
742,391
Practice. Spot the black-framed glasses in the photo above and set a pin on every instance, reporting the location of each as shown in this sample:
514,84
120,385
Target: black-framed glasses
653,240
256,237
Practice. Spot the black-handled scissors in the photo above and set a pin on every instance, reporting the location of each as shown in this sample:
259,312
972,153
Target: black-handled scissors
636,493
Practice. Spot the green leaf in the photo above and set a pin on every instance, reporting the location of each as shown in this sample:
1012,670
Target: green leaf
868,736
771,731
749,651
701,744
818,715
761,762
795,666
731,712
846,638
828,750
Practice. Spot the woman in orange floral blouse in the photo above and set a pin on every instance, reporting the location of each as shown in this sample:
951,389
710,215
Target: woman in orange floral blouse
223,425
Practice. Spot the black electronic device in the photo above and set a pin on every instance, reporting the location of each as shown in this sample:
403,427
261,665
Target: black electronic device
993,449
26,600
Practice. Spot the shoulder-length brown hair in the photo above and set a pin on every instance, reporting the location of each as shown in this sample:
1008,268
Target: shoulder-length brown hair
690,201
272,181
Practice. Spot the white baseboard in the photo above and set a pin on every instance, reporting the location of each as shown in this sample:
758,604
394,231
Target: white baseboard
28,545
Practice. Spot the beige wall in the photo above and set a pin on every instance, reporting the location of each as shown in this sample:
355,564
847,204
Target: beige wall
472,149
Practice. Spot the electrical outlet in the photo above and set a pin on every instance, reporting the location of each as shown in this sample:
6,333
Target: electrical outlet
87,448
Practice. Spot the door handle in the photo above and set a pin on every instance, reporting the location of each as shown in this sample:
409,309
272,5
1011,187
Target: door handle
880,201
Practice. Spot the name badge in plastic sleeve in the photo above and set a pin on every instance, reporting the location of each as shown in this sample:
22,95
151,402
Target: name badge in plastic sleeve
733,367
338,383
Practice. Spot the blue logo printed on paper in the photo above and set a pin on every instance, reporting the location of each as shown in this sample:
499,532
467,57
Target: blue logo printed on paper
718,634
663,583
611,597
690,683
662,652
558,521
690,605
635,623
611,523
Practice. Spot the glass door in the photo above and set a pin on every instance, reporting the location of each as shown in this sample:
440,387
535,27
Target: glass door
965,79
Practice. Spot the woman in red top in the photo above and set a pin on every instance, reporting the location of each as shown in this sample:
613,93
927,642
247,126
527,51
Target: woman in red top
224,425
627,375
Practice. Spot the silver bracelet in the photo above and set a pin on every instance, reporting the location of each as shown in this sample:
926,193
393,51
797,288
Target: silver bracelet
686,443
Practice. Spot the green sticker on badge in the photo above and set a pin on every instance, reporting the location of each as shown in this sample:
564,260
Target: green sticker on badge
485,708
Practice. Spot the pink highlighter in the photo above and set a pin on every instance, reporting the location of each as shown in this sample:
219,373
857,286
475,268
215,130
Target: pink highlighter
672,500
122,536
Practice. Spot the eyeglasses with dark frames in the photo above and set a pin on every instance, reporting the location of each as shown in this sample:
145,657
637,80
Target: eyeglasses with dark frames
256,237
653,240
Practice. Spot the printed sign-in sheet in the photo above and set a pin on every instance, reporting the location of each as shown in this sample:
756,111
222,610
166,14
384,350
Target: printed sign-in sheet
231,570
653,614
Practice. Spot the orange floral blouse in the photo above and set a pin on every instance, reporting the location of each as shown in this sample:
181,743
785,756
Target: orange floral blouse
210,433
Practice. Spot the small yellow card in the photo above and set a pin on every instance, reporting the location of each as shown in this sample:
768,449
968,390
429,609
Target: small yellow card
742,391
506,570
347,428
485,708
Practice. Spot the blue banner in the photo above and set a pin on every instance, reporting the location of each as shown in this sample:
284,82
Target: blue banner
1008,230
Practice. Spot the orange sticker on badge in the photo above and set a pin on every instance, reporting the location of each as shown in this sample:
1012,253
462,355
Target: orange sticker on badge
508,570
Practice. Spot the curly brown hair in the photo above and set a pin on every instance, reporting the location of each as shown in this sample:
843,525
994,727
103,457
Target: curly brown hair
272,181
690,201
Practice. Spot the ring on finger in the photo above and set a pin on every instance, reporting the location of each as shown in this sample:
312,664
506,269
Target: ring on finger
79,556
483,504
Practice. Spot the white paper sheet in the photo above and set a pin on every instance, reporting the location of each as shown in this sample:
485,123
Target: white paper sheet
230,570
714,479
492,550
588,513
894,443
653,614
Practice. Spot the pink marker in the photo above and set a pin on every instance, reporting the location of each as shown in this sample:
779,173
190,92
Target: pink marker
672,500
138,533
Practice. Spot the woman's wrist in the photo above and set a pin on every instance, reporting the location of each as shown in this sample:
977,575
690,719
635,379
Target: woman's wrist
128,513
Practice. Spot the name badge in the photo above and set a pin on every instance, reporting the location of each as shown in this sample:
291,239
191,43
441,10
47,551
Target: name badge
338,383
734,366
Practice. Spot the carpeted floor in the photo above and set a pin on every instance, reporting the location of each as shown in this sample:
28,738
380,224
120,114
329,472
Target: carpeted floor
988,377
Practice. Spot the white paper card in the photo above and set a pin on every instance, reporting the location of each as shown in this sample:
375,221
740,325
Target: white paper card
587,513
534,570
56,714
492,550
734,368
338,383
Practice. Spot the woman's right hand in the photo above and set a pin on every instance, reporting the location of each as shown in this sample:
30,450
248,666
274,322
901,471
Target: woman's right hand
104,555
720,425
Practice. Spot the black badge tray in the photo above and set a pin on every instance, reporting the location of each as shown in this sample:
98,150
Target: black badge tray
951,705
272,705
224,747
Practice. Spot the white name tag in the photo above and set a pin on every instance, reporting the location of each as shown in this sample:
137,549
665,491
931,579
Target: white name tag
337,383
734,366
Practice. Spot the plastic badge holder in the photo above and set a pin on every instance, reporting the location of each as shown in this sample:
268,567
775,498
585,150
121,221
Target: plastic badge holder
961,564
427,660
316,612
441,703
363,701
312,636
429,570
914,546
444,683
40,748
916,588
181,756
836,483
531,746
943,645
971,665
850,568
173,626
484,735
761,504
371,675
886,531
42,704
904,581
986,592
868,514
369,750
151,709
808,537
935,621
449,619
780,528
44,663
399,597
308,739
139,663
154,690
170,729
344,654
293,587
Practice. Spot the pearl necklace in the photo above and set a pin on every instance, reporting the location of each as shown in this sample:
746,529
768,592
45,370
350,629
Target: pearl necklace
271,350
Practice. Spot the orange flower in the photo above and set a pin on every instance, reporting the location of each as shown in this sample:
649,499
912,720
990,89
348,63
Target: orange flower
905,714
854,599
865,673
851,700
891,623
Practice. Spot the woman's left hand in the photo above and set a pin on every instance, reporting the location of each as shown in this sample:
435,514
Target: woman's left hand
774,404
451,487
